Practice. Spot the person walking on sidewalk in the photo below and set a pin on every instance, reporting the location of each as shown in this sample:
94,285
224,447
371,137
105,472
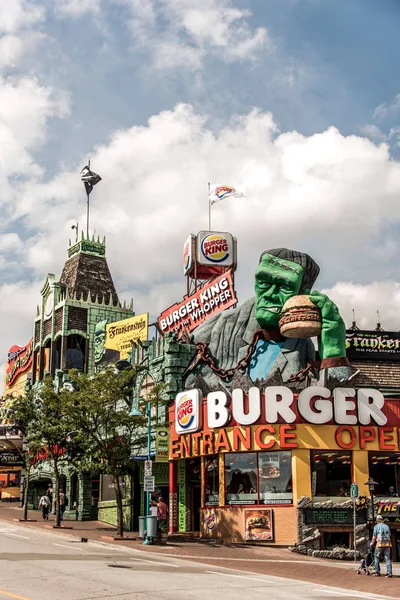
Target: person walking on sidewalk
49,494
62,505
162,512
44,504
381,538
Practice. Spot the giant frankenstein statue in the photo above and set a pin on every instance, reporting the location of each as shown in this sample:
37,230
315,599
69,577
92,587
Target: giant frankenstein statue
243,347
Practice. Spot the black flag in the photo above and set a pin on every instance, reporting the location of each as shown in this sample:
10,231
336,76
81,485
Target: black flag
89,179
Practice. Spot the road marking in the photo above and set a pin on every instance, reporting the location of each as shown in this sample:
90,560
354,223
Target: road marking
23,537
156,562
241,577
2,593
359,595
69,547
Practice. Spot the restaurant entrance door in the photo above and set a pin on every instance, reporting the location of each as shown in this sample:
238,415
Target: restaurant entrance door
193,485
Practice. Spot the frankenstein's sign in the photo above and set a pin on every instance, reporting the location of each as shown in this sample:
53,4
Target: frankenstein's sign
372,345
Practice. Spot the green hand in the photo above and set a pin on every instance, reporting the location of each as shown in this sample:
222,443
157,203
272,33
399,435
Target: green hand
332,343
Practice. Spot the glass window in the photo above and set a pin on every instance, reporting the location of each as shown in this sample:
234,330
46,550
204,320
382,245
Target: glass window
331,473
384,468
275,477
107,488
241,478
211,477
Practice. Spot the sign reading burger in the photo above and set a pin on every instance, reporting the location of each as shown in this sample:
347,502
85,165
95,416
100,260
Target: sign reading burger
215,252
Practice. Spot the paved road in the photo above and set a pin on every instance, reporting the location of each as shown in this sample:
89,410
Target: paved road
35,565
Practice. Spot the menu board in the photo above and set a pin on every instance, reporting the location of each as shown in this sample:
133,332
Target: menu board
333,516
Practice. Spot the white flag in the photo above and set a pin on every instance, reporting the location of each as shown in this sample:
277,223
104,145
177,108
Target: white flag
219,192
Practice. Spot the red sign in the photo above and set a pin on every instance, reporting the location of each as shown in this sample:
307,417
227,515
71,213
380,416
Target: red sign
19,359
212,298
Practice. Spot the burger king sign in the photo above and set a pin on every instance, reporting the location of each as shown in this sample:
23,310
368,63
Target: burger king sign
215,249
187,411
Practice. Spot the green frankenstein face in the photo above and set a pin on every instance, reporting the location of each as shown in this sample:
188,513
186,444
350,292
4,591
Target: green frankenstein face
276,281
99,340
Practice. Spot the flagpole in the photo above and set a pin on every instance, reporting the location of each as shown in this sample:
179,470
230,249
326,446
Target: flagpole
87,209
209,208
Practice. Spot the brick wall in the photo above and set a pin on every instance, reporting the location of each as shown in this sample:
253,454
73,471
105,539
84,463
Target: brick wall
47,327
59,318
37,332
230,524
77,318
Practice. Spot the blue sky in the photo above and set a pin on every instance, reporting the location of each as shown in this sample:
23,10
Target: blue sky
294,101
335,62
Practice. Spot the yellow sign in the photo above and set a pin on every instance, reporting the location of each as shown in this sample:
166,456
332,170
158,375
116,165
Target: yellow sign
114,341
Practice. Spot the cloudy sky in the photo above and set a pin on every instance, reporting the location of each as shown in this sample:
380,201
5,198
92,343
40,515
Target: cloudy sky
294,102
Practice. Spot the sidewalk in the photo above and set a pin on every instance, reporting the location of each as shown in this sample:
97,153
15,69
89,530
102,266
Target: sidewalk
265,560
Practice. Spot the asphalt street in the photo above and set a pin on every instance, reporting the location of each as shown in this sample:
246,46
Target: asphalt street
36,565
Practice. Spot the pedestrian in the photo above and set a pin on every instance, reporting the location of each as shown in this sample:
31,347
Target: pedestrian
62,505
49,494
44,504
381,538
162,512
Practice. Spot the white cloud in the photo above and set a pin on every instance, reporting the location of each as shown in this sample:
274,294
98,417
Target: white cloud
18,20
77,8
180,33
11,50
373,132
386,109
19,14
366,300
25,108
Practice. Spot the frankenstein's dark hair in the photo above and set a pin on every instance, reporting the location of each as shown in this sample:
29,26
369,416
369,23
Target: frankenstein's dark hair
310,267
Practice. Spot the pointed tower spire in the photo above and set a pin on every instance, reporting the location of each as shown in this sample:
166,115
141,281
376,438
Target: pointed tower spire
354,324
378,325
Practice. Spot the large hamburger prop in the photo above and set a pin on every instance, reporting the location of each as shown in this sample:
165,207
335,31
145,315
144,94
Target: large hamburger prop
300,318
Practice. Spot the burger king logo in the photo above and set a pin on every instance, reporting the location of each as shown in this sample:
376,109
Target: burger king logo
184,411
224,190
186,256
215,248
187,411
211,520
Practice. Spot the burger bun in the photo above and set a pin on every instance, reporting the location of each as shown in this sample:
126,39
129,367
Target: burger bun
300,318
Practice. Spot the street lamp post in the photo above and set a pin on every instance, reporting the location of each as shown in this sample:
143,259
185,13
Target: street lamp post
135,412
371,486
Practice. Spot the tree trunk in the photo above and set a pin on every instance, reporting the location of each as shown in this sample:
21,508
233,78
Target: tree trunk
26,487
118,497
57,500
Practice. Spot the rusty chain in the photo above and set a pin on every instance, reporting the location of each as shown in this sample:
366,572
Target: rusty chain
204,355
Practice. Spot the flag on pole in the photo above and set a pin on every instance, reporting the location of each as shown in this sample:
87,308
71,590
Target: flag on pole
219,192
89,179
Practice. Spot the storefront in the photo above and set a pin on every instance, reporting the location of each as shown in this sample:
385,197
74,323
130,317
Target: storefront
258,455
10,476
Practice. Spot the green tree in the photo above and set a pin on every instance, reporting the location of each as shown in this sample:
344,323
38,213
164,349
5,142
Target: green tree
40,416
103,434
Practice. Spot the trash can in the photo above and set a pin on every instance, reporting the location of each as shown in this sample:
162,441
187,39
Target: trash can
152,526
142,527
